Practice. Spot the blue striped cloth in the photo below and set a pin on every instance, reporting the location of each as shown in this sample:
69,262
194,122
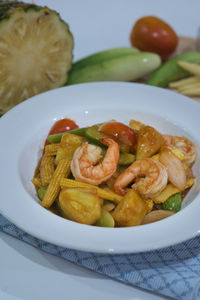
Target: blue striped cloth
172,271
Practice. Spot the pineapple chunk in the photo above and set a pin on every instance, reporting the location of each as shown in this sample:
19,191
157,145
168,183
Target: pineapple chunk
130,211
149,142
80,205
69,143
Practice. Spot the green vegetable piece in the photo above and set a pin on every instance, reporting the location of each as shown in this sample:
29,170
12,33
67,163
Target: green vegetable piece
121,68
56,138
101,56
94,136
106,220
173,203
78,131
41,192
126,159
170,71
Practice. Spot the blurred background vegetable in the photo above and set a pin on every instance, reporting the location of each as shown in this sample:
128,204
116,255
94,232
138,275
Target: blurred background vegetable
191,85
125,66
171,71
154,35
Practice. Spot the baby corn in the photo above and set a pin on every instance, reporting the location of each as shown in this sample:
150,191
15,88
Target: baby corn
191,92
185,82
46,169
62,170
149,204
70,183
51,149
189,86
191,68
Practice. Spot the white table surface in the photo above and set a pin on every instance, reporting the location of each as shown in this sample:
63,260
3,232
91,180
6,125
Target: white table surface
25,272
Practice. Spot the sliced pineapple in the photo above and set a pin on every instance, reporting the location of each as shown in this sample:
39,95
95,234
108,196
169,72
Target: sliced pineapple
35,52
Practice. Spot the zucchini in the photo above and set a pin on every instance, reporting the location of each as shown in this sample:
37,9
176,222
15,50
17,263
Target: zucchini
121,68
35,52
94,136
173,203
41,192
105,220
170,71
56,138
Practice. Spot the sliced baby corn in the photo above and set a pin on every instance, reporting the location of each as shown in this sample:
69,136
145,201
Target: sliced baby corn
185,82
62,170
108,195
46,169
51,149
191,92
149,204
190,67
191,85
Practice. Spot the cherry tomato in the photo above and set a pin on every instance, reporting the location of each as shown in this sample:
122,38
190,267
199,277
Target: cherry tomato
154,35
63,125
121,133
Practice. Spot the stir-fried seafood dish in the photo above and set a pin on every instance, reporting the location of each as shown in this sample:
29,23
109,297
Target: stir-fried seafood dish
112,174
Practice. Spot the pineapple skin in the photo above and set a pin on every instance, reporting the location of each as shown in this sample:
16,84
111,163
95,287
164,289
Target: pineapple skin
7,11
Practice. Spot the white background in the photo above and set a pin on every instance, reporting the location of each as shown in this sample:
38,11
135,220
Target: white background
25,272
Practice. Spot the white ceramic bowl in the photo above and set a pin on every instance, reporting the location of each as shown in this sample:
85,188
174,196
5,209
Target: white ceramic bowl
24,128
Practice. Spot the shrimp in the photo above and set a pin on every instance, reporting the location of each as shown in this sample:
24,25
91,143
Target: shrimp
175,168
151,178
84,165
187,147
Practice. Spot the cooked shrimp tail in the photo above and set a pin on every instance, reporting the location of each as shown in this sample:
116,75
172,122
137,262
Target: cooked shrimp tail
186,146
150,175
85,163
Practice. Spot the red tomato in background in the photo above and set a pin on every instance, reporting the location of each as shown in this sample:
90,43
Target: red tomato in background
121,133
63,125
154,35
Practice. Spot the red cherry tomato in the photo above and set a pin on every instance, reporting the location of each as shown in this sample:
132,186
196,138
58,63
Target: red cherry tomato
121,133
63,125
154,35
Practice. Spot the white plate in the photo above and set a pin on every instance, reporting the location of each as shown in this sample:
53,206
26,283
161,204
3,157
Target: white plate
24,129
